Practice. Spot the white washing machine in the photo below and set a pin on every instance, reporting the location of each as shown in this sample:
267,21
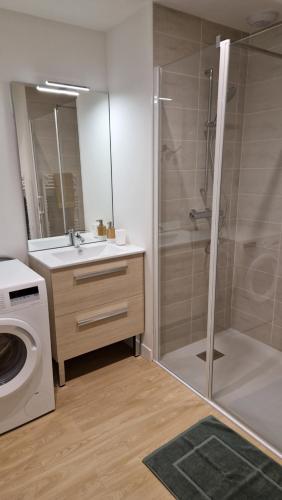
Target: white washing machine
26,376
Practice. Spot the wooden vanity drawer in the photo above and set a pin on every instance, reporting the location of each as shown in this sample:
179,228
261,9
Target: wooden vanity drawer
93,328
83,287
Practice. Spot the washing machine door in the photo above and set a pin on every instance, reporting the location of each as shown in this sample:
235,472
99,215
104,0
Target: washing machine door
20,353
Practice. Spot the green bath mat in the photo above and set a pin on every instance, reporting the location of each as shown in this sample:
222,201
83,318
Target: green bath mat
211,461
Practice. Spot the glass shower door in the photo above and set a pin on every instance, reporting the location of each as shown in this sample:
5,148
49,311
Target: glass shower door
247,376
188,120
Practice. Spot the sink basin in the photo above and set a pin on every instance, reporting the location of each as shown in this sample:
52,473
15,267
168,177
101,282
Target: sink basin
69,255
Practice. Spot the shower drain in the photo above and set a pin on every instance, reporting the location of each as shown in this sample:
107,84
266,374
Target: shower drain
216,355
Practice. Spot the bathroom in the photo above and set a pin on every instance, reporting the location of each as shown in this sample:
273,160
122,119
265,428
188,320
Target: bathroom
184,297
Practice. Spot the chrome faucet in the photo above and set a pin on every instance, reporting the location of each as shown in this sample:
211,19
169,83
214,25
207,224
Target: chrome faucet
75,238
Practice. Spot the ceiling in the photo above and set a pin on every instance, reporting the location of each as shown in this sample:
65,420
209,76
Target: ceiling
104,14
100,15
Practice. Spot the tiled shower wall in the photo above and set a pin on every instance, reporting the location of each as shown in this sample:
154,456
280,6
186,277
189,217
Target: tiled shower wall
257,292
181,42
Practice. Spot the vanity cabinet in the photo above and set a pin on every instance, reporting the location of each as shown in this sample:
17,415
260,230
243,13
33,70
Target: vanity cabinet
93,305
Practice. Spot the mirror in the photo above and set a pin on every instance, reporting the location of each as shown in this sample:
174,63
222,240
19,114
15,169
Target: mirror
65,161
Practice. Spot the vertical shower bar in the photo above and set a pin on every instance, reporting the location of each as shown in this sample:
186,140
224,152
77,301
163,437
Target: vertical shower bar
221,106
210,73
60,169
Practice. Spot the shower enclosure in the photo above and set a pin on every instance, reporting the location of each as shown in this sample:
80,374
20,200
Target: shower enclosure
219,227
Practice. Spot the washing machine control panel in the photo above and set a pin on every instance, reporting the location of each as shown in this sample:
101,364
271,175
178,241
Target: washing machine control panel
24,295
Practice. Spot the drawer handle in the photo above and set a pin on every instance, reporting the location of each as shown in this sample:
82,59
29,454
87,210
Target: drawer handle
102,272
101,316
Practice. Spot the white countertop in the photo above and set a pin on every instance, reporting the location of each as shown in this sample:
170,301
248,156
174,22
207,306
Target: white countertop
57,258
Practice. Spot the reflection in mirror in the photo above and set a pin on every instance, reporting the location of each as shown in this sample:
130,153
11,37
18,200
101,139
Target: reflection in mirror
65,161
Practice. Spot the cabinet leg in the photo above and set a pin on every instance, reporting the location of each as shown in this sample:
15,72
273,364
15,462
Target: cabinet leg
62,373
137,345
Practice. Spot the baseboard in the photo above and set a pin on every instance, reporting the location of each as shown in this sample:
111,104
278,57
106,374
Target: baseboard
146,352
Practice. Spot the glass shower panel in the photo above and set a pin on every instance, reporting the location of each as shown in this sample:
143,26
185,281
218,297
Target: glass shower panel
70,178
187,122
247,368
46,169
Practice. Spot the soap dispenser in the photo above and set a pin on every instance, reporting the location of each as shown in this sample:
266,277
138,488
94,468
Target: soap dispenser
111,233
101,230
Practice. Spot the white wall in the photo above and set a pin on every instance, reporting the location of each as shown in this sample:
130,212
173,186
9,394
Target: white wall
32,50
95,156
130,80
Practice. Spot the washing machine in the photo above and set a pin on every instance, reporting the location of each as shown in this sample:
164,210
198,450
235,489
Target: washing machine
26,377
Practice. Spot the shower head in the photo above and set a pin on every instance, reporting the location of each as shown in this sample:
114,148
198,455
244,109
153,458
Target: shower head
231,92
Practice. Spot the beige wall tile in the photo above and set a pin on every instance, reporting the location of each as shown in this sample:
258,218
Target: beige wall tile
175,264
260,259
253,304
176,290
229,182
278,295
229,157
260,234
178,155
180,56
260,207
177,185
251,325
201,259
261,66
175,337
177,23
174,314
255,282
278,313
199,329
225,254
259,181
264,125
176,212
199,306
276,338
200,284
265,154
211,30
279,267
179,123
182,89
263,95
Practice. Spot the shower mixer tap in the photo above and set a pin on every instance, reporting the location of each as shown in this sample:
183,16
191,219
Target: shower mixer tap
206,213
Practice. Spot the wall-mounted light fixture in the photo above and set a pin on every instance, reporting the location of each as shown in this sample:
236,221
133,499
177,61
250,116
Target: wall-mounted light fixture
69,86
41,88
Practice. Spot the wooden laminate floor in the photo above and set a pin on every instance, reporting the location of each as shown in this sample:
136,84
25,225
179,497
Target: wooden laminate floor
107,419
